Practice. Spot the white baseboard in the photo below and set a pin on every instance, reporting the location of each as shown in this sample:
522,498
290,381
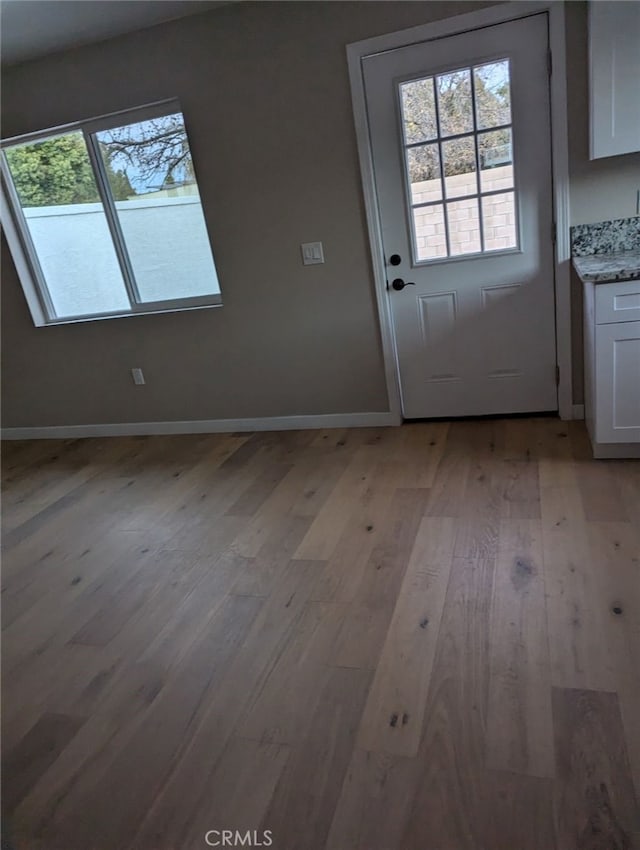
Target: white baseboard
201,426
578,411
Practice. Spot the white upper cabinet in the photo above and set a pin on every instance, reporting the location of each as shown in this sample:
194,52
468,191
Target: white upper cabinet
614,77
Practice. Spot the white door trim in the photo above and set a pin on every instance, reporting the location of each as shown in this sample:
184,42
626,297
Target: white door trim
501,13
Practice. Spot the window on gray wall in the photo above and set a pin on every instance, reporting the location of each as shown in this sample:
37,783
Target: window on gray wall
104,218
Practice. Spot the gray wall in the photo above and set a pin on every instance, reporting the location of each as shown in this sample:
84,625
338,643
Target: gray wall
264,88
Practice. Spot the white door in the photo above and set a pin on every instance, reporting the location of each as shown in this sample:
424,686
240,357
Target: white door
460,135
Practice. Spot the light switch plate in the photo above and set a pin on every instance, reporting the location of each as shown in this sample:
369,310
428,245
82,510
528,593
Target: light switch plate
312,253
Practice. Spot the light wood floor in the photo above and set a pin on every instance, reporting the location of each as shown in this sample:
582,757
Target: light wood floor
423,638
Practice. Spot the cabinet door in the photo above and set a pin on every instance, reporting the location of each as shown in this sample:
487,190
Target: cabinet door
614,70
618,383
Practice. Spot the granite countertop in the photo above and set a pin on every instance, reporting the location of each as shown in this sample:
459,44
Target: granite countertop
608,268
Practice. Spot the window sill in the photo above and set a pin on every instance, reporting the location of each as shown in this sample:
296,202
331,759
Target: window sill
75,320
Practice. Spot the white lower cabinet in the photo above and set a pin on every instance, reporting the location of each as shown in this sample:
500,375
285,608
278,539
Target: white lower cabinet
612,368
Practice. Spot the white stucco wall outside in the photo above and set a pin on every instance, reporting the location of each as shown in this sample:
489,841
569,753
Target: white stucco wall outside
167,242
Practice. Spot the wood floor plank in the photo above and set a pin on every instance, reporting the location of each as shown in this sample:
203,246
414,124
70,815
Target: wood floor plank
188,485
304,802
301,668
447,490
459,674
615,556
589,568
557,467
163,731
199,511
106,623
600,494
484,486
248,774
293,490
615,551
482,809
234,797
385,568
516,811
66,676
259,490
392,719
627,478
519,723
319,477
266,639
98,508
362,636
520,491
39,493
324,534
595,803
51,610
477,537
30,824
575,616
374,802
416,452
208,537
523,440
20,457
170,633
262,572
25,762
43,520
341,579
629,699
452,748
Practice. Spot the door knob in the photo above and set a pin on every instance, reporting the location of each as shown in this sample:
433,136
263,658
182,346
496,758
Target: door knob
399,284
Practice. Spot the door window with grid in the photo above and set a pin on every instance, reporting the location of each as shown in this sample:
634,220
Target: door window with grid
458,153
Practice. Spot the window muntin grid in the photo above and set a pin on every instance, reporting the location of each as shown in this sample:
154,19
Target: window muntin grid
458,160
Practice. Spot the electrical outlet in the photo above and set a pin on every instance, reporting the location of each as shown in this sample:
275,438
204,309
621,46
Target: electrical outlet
138,377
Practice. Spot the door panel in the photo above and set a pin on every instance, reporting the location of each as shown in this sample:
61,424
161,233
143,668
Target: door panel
437,321
618,382
460,136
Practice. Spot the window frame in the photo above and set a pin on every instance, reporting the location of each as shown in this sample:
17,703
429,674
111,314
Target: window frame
24,253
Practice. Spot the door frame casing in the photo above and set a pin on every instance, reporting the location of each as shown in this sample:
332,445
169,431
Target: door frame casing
456,25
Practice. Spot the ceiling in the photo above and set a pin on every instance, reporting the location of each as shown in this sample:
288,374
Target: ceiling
33,28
